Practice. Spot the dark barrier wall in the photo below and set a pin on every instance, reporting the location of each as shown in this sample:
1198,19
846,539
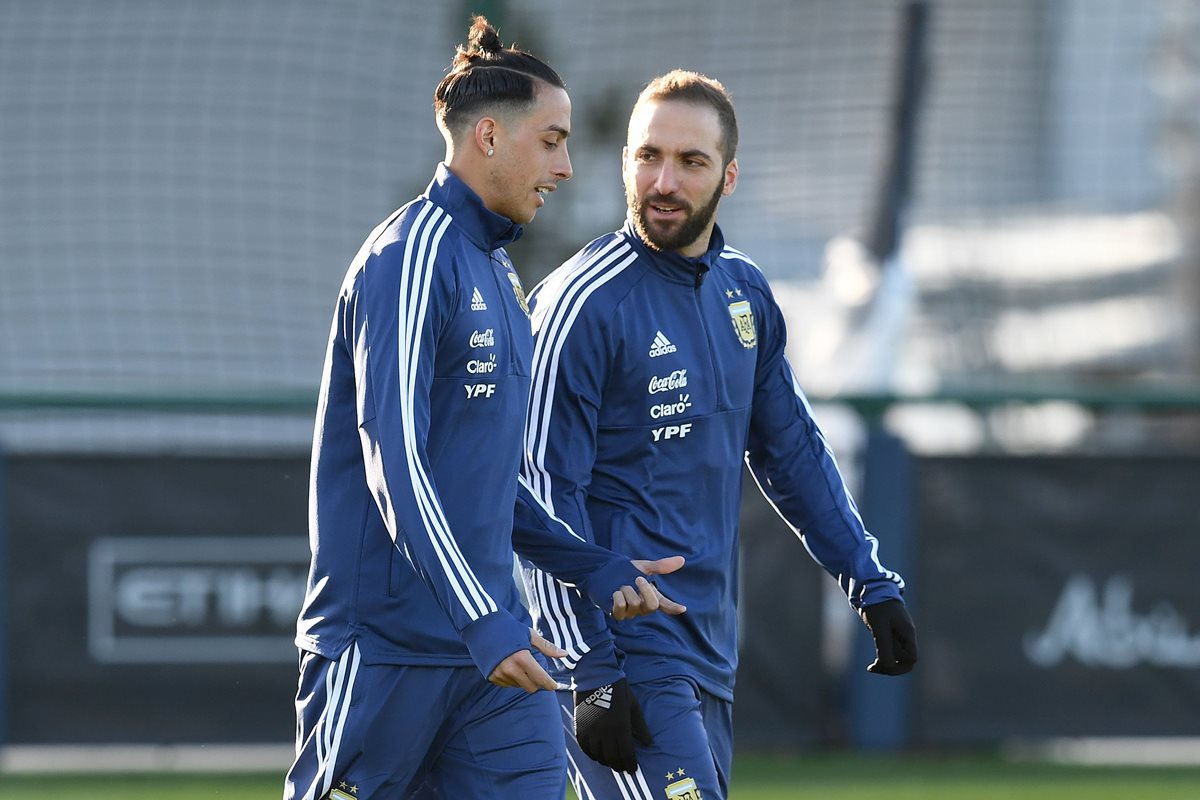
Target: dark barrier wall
153,600
1059,597
781,698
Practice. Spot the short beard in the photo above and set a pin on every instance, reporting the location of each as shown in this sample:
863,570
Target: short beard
688,231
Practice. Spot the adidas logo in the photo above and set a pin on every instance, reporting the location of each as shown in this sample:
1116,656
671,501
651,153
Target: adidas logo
661,346
477,303
601,698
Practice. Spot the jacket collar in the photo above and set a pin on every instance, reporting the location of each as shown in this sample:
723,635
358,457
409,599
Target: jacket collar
485,228
673,266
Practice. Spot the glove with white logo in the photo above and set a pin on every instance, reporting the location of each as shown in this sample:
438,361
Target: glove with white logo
607,720
895,637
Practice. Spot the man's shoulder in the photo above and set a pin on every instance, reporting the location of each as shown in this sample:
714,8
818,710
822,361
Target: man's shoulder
418,220
420,231
738,262
599,271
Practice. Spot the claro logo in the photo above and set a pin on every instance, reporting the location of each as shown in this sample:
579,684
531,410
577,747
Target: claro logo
185,599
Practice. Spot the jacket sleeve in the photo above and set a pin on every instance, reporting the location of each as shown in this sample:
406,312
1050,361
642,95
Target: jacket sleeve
796,470
560,449
400,310
548,544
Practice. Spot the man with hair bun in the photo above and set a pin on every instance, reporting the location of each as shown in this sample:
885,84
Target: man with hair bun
659,368
418,676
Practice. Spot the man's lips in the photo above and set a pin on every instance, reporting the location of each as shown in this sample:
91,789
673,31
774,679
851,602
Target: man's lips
665,209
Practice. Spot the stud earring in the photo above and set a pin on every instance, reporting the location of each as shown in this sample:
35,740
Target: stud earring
491,152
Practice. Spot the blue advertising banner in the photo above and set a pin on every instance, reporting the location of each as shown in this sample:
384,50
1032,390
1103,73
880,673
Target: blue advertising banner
153,599
1058,598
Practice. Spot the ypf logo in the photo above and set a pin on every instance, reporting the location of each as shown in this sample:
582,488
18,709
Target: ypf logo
672,432
479,390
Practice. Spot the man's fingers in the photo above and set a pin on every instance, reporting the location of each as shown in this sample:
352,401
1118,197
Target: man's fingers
627,603
522,670
545,646
501,680
669,606
540,679
895,637
884,661
649,595
662,566
906,645
619,610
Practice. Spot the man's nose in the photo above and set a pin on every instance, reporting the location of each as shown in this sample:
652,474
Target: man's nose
666,181
563,169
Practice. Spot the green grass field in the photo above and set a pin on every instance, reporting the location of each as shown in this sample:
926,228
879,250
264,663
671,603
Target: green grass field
808,778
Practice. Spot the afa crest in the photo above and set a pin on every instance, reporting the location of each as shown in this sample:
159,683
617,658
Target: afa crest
518,291
743,323
685,789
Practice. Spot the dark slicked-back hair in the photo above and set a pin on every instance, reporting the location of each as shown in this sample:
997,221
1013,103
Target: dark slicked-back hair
486,74
692,87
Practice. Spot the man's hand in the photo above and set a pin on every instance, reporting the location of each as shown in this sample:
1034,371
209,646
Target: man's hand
895,637
521,669
630,602
607,720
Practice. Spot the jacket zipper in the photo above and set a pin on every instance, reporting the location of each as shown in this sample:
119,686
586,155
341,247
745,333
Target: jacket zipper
721,405
497,266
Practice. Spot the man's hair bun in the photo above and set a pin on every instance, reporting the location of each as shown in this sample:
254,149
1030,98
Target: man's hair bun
483,38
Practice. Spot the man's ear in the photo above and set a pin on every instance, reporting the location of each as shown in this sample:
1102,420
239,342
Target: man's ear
731,173
486,130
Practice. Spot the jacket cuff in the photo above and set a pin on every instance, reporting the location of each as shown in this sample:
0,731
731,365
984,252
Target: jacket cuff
598,667
493,638
600,585
877,592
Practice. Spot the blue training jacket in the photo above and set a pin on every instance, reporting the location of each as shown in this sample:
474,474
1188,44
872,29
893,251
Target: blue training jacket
415,504
654,377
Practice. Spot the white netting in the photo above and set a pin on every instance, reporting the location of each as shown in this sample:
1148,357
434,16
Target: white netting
182,184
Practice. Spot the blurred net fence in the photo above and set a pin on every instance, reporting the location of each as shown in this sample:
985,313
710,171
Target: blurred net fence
183,184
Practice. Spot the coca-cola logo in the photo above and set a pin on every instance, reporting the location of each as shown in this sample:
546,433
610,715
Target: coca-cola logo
668,383
483,339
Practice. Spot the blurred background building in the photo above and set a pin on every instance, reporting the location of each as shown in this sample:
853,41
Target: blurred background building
982,220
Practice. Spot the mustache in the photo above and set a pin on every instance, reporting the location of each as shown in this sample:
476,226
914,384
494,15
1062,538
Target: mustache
667,200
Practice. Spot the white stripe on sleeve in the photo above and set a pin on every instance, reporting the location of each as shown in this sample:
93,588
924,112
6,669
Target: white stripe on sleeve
578,285
416,277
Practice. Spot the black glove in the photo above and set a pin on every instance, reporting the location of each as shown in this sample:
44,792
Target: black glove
895,637
607,720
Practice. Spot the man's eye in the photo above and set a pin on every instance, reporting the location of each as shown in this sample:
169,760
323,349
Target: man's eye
550,145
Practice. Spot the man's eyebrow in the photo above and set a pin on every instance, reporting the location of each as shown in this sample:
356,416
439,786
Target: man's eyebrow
695,153
559,129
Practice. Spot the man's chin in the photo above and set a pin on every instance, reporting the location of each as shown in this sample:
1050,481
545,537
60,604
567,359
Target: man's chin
524,216
658,238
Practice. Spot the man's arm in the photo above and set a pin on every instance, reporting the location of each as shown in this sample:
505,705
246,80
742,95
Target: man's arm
612,582
568,376
570,364
400,306
796,470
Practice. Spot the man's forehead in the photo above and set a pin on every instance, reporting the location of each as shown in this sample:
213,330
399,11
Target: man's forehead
552,110
674,123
